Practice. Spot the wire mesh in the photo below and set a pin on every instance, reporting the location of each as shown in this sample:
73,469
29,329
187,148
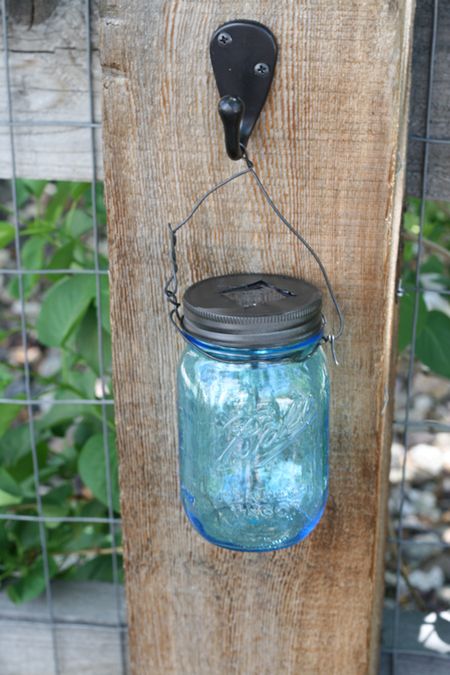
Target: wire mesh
31,403
407,425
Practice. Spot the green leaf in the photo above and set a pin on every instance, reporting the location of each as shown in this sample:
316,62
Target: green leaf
10,492
28,535
91,466
6,376
8,413
63,414
432,344
84,430
77,190
98,569
59,202
34,187
22,192
7,233
61,259
53,510
14,444
3,540
78,222
406,319
82,380
22,468
32,259
87,342
32,582
63,307
38,227
433,265
104,297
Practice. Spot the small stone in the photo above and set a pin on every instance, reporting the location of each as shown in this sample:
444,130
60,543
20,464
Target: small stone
424,500
425,503
422,405
446,460
390,579
426,581
17,355
443,562
396,470
412,522
427,383
446,536
32,309
424,462
418,437
443,595
101,390
395,501
442,441
50,364
422,546
5,257
400,394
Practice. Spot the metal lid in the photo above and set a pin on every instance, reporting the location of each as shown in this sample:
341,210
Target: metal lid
252,310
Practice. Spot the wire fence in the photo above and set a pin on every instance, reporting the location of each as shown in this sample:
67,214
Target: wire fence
104,402
29,402
407,426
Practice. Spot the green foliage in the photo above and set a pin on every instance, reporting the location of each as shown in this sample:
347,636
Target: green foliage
433,306
92,468
56,233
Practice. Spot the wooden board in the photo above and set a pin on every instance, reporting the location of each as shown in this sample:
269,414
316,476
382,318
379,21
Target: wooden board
49,82
327,146
438,178
87,637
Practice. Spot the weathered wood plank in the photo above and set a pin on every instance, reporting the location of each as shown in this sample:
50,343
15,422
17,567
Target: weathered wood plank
49,82
29,12
326,145
438,181
88,641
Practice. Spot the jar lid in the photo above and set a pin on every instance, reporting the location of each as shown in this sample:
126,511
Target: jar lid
252,310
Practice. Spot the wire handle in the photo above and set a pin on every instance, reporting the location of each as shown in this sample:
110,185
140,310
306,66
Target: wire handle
171,286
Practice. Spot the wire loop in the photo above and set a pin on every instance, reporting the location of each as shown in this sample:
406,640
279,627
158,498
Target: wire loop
171,286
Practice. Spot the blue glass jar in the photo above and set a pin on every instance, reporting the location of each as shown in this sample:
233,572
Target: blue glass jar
253,394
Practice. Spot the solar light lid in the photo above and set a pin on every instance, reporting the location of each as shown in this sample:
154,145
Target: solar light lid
252,310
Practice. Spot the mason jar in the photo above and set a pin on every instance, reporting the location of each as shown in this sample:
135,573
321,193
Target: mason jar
253,398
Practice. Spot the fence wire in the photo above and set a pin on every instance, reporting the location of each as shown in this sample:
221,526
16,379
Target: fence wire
30,403
406,425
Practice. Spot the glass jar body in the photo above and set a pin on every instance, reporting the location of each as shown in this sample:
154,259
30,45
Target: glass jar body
253,445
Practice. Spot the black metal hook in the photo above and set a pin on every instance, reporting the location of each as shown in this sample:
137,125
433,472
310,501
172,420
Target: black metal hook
231,111
243,56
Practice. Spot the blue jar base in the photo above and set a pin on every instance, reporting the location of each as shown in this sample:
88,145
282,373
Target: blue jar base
275,545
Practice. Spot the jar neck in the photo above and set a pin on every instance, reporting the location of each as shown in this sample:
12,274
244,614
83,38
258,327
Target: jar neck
301,350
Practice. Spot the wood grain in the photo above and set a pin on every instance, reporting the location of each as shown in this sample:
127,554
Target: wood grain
49,82
88,639
438,178
329,145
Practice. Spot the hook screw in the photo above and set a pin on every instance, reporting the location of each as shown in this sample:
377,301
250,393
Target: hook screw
224,39
261,69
